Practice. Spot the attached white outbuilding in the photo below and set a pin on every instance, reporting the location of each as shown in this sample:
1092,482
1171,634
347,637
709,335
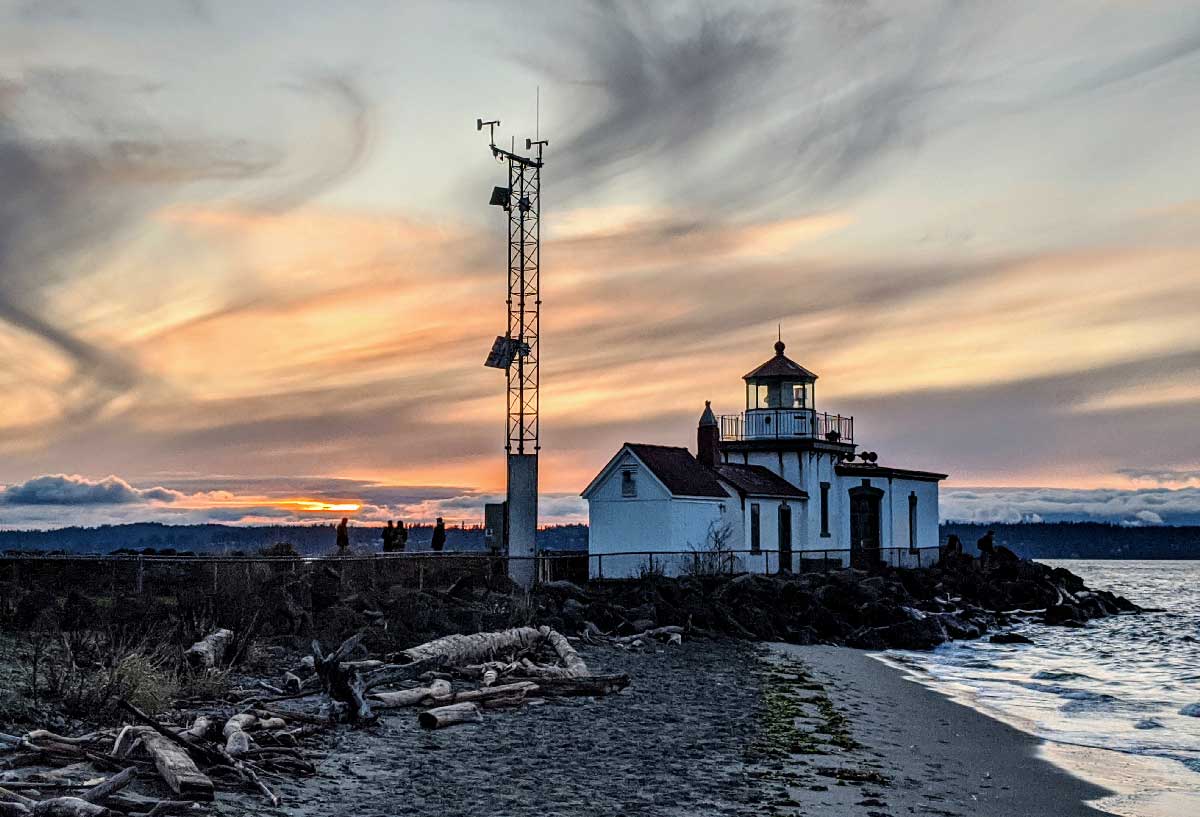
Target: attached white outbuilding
777,487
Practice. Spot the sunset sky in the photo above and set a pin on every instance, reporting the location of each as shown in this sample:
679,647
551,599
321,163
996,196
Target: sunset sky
248,272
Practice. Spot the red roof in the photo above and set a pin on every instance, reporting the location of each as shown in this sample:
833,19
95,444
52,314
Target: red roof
757,480
781,366
677,469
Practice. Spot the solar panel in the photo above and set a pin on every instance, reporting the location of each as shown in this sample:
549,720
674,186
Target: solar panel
504,350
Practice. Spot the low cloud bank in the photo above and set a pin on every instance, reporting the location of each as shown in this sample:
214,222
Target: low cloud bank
60,500
64,489
1134,507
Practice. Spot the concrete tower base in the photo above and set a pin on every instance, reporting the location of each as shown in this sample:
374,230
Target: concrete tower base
522,518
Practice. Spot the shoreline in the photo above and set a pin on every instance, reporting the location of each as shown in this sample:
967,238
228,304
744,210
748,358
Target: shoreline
944,757
861,739
1123,774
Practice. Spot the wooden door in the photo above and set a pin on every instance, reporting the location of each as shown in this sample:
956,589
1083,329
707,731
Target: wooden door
785,539
864,527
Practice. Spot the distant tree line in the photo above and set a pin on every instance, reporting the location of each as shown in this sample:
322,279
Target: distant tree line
1083,540
1048,540
306,540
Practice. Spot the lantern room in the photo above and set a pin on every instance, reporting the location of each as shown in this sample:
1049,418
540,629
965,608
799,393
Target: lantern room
780,384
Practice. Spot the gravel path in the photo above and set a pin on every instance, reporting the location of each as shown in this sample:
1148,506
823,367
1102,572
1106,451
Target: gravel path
673,743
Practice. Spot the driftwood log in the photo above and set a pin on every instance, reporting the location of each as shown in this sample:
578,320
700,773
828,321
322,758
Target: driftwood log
174,765
477,648
417,696
443,716
105,789
343,682
587,685
209,651
566,653
671,635
215,755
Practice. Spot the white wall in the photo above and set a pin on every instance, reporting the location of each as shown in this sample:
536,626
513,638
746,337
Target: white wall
651,521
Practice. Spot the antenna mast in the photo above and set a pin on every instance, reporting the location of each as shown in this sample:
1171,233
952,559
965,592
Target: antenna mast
518,352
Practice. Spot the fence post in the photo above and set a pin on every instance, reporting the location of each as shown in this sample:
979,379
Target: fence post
421,574
141,573
599,565
214,572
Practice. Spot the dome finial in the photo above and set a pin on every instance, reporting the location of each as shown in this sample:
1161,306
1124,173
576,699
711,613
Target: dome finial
779,347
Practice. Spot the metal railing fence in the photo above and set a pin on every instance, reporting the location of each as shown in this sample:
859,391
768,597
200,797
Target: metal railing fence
120,574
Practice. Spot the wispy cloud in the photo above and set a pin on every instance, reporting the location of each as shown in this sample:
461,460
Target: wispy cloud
977,223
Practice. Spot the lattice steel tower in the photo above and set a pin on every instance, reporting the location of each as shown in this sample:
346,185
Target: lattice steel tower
518,352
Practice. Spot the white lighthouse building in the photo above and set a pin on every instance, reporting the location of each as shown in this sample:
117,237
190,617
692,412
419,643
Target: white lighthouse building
778,487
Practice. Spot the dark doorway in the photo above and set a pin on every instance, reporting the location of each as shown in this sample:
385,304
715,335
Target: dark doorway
864,527
785,539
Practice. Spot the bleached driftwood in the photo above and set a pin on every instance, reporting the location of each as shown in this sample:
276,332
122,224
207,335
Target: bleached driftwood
174,765
239,723
201,729
214,755
566,653
106,788
477,648
516,690
671,635
438,688
443,716
396,673
209,651
585,685
56,807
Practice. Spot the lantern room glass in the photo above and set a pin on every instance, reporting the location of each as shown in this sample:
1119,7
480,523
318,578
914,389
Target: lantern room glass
779,395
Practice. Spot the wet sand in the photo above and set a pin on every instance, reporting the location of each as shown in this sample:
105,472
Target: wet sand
941,757
688,738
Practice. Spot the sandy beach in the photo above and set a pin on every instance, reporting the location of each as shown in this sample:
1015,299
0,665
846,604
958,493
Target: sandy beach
722,728
942,757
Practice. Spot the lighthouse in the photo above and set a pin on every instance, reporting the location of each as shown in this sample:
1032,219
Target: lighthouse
781,485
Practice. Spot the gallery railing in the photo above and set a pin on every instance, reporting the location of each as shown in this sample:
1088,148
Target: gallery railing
777,424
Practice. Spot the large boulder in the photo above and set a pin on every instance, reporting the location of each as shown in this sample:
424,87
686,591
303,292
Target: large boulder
914,634
1064,615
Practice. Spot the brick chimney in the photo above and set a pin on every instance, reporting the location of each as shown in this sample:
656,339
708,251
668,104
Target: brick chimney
708,436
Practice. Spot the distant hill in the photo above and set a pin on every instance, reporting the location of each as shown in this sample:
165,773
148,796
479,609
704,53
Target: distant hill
308,540
1084,540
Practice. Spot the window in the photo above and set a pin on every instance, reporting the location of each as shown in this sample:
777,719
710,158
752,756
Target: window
755,535
799,395
764,396
912,521
825,509
628,483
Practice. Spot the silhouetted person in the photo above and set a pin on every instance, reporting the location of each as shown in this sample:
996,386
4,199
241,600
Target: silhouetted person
953,547
343,536
987,545
389,538
439,535
401,535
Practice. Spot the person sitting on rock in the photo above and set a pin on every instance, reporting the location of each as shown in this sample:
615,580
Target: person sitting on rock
401,536
389,537
343,536
439,535
986,543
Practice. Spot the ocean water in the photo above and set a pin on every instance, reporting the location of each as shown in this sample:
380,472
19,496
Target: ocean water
1117,702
